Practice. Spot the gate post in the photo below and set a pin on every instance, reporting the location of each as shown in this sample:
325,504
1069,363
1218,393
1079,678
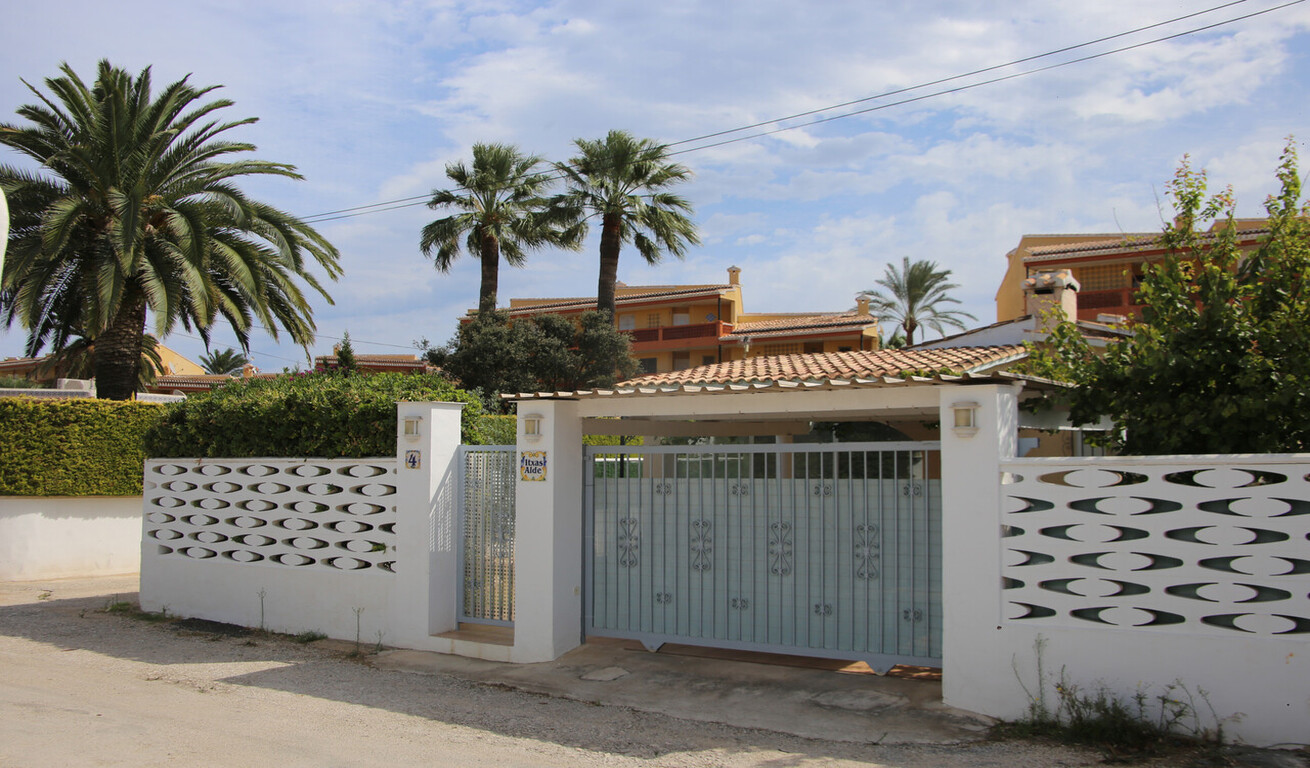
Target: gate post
972,449
548,531
427,484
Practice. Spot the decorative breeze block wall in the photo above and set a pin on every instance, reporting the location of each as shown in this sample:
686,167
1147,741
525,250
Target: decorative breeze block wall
336,514
1219,546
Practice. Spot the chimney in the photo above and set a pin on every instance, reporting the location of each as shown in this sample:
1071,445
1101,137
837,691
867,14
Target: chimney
1051,297
862,305
734,275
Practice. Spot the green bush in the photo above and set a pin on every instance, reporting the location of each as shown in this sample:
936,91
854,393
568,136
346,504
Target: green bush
499,429
326,415
72,447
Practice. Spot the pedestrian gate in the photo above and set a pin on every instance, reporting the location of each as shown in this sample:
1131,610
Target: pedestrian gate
486,526
824,550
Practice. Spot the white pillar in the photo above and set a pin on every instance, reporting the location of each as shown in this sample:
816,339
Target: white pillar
548,532
972,642
427,483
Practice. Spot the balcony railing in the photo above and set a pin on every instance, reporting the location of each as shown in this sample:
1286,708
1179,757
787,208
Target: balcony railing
676,335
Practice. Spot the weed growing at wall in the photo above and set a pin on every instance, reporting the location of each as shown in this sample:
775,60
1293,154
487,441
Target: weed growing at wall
72,447
327,415
1144,724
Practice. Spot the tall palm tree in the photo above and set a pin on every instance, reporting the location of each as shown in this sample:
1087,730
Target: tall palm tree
223,362
914,297
502,212
136,210
622,181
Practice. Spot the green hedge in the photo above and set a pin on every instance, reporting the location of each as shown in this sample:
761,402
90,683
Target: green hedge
72,447
325,415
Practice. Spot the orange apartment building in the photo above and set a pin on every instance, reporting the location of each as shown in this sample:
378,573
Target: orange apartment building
1107,267
674,327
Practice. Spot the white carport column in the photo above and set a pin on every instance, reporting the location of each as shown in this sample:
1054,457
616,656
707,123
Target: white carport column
973,652
427,486
548,531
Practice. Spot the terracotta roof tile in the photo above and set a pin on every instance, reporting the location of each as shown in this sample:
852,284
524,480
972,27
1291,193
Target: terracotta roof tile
836,365
796,324
656,292
1129,244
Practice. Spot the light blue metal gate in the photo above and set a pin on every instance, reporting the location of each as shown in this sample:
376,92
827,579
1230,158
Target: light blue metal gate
822,550
486,527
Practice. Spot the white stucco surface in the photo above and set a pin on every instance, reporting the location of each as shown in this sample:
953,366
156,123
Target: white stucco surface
69,536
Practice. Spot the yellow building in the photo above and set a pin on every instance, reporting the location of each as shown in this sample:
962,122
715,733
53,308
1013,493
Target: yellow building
674,327
1107,267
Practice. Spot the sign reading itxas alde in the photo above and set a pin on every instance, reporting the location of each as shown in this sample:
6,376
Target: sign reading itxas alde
532,465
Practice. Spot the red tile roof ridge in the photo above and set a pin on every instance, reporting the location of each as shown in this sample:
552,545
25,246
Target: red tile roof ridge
829,366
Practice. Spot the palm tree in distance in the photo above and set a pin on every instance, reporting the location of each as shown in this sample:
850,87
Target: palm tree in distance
136,208
914,296
623,181
502,212
224,362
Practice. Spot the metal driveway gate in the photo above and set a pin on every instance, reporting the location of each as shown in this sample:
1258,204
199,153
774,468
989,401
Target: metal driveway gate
486,526
822,550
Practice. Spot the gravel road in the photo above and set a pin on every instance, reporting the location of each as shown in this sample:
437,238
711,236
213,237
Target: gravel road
80,686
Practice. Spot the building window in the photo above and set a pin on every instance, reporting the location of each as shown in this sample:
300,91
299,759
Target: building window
1108,277
627,322
812,347
843,349
648,364
771,350
682,315
681,361
708,360
653,320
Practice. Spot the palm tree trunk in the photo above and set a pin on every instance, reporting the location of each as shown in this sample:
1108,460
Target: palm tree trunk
490,274
611,241
118,349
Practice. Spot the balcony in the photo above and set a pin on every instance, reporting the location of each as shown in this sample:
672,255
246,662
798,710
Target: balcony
677,336
1118,301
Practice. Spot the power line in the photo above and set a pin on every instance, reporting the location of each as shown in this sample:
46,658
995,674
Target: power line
991,81
416,200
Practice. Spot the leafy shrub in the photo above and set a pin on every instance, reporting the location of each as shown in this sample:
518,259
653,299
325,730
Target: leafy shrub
498,429
72,447
330,415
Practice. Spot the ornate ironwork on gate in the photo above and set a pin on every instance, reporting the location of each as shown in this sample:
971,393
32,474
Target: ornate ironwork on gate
824,550
487,534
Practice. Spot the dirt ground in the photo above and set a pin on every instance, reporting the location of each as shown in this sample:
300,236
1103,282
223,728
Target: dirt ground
81,686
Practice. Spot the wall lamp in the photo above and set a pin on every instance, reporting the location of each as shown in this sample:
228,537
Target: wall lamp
411,430
532,427
965,418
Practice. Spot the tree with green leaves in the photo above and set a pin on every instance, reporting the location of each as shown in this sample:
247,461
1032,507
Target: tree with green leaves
346,354
224,362
502,211
914,296
623,182
1220,361
136,210
543,353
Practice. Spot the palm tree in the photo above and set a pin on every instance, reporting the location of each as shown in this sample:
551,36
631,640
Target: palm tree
622,181
502,213
914,297
224,362
76,360
136,210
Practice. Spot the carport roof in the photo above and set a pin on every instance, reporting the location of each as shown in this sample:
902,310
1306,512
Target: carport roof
833,370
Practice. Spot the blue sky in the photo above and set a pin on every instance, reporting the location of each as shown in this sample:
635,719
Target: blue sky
370,100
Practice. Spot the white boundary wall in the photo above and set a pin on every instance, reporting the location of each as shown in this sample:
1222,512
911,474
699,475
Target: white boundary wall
1132,573
55,537
353,548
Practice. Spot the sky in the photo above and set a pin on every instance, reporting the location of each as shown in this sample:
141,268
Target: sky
370,100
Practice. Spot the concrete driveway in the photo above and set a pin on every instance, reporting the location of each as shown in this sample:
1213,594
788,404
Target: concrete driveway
82,686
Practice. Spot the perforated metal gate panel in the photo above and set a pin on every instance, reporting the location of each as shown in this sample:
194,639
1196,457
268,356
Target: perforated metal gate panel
487,534
830,550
